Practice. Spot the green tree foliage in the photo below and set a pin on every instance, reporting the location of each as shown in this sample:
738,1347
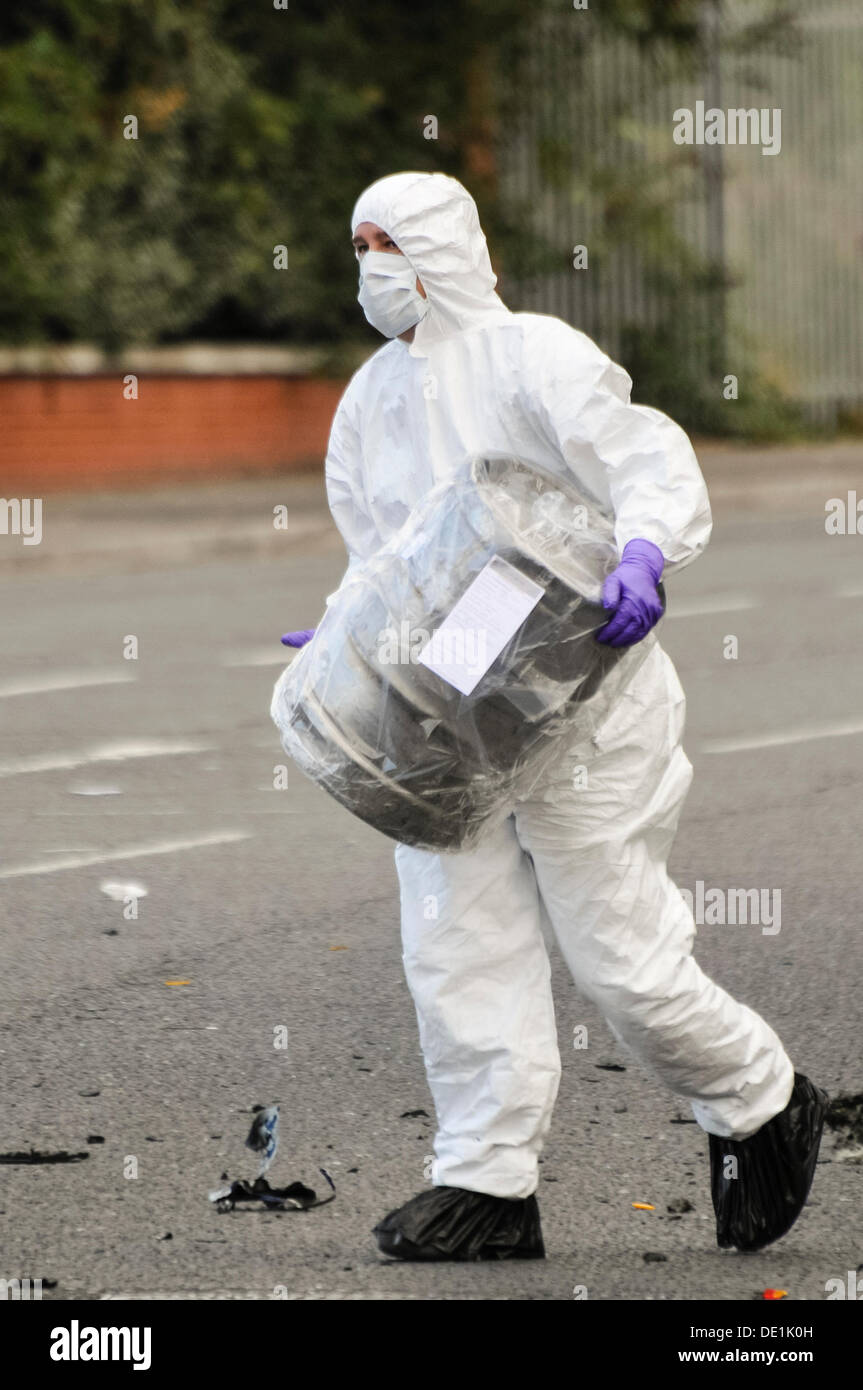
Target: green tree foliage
257,127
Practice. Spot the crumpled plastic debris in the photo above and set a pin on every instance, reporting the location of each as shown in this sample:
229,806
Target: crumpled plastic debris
774,1293
263,1139
295,1197
263,1136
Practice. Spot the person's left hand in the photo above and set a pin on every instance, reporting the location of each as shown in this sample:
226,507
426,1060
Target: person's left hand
631,591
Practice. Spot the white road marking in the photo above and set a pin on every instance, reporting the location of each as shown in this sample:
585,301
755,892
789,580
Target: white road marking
803,733
116,752
194,1295
63,680
167,811
83,861
722,603
260,656
95,789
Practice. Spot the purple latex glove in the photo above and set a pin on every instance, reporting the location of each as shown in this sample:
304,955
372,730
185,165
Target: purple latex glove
631,591
299,639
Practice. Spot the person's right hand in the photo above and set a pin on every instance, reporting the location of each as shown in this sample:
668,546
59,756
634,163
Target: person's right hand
299,639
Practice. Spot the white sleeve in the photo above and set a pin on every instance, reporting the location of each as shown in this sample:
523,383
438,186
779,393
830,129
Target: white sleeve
343,472
632,457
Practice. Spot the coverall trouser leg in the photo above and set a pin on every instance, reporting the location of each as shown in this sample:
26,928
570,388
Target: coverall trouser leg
588,847
478,969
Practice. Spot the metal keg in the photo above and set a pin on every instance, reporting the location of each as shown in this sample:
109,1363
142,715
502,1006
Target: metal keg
391,739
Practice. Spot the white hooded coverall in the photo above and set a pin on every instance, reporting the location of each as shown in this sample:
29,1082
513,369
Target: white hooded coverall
587,860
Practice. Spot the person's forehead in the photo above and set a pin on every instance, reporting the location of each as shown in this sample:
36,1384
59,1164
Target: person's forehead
367,229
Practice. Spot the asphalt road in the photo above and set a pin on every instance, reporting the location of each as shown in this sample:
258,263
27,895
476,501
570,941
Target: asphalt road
278,909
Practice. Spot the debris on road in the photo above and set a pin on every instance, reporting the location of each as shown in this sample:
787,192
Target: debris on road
773,1293
653,1257
845,1116
680,1204
643,1206
609,1064
263,1139
119,892
34,1156
413,1114
295,1197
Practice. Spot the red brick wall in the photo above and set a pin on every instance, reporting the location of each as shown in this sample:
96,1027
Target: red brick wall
58,433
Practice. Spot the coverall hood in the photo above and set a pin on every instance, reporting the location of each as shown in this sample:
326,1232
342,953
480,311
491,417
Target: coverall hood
434,222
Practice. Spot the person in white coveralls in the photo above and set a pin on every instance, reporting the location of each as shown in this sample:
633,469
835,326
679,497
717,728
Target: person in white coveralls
590,861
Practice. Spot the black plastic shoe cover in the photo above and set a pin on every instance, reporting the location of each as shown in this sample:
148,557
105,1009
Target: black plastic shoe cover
452,1223
760,1197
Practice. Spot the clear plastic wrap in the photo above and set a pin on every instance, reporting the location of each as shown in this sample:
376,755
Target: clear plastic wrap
395,742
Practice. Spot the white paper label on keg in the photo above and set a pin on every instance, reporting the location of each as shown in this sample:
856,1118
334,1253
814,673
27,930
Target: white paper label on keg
486,617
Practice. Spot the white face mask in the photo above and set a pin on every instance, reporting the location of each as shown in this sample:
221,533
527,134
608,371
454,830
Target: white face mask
388,294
